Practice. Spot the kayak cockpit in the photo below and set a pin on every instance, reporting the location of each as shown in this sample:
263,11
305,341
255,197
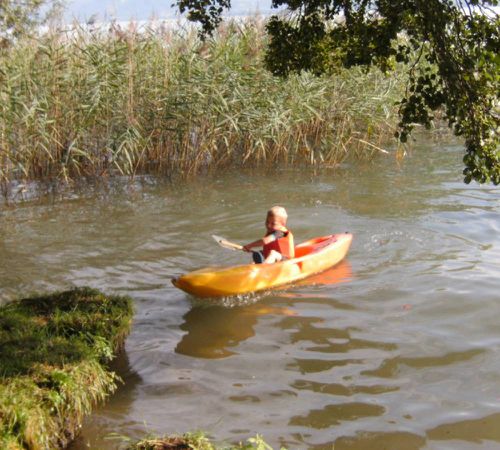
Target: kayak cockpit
313,245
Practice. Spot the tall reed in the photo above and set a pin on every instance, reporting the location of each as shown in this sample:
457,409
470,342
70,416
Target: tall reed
89,103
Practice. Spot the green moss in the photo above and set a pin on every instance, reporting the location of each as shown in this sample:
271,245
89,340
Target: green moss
53,351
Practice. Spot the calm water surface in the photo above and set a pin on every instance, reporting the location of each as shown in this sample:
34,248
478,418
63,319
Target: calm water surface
397,348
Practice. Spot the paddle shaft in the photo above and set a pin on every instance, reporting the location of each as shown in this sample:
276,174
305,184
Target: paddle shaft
256,256
227,244
233,245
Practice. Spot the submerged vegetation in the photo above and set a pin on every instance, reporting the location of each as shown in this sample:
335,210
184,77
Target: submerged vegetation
53,354
92,103
196,441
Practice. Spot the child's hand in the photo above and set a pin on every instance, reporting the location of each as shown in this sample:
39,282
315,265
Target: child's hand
246,248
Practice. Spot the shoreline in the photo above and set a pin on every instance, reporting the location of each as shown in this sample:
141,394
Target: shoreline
55,350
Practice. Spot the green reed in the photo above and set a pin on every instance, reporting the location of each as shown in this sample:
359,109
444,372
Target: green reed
91,103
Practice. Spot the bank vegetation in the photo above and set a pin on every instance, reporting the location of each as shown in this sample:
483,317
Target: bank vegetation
86,102
54,354
197,441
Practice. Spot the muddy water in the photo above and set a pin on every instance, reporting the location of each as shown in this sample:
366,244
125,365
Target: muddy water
397,348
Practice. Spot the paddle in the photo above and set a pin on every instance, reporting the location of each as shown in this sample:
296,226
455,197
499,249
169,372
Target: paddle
256,256
226,244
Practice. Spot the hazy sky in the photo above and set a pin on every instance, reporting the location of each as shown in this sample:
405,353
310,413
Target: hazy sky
145,9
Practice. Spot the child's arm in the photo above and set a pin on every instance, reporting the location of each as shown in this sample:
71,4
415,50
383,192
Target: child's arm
257,243
261,242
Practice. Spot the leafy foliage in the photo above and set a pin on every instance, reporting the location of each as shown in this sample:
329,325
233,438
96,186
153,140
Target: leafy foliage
450,48
207,12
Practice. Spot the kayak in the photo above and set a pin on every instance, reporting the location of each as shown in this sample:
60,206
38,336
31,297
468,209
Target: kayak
311,257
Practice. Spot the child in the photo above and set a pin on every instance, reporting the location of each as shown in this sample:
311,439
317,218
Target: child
277,243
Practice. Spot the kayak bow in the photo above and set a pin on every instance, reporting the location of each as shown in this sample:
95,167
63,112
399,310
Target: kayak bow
311,257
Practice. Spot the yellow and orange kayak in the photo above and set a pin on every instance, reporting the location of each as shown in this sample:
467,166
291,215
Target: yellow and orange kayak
311,257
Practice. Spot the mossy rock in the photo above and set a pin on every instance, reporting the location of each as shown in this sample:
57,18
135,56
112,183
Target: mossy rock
53,354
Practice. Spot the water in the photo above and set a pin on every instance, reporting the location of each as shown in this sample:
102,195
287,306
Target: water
398,348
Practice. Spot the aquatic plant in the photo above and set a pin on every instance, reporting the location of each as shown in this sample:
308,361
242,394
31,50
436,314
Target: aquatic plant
94,103
53,364
196,441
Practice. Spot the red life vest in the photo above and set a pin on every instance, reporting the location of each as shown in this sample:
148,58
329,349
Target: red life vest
282,245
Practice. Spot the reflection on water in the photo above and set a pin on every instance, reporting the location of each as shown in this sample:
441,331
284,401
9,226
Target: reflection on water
346,390
341,273
476,433
332,415
211,330
474,430
397,348
390,367
377,441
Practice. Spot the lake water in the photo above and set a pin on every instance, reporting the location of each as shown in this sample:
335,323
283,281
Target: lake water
397,348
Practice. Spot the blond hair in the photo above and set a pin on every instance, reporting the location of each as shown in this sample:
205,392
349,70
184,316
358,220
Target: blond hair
278,212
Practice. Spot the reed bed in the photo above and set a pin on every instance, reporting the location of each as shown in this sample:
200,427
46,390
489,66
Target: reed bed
53,364
92,103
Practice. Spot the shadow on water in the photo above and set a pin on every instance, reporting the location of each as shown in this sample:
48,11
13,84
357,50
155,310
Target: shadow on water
119,405
122,367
